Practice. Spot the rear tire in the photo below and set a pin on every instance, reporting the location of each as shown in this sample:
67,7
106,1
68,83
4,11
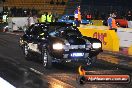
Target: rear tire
47,59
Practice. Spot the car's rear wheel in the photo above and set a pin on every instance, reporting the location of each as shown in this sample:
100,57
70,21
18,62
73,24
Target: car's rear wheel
47,59
26,52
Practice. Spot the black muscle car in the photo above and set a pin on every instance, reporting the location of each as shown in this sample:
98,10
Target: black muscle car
59,42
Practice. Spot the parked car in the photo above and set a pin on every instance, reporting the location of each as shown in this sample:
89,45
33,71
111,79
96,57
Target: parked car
59,42
70,19
120,23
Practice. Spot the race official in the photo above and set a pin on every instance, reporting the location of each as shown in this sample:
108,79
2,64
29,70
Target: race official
43,18
49,17
77,16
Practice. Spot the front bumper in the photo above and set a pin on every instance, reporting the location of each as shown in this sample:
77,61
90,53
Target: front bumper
75,54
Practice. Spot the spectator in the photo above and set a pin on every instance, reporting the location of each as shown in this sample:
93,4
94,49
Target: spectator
129,16
89,16
103,16
62,3
111,22
33,11
30,21
25,12
56,16
51,2
49,17
35,19
43,18
57,2
96,14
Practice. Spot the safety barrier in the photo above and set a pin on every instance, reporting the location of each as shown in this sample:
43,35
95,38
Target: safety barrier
129,24
94,27
130,50
16,22
98,22
109,38
125,36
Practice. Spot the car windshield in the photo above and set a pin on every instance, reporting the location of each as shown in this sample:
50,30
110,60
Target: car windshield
39,30
71,33
65,31
71,17
36,29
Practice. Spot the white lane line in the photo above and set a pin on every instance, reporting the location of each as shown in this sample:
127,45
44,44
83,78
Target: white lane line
5,84
36,71
13,33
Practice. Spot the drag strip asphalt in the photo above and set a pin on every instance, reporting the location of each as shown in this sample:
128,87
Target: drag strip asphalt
15,69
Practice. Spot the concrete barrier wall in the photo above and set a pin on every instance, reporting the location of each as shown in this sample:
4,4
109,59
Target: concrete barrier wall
109,38
94,27
97,22
125,36
18,22
129,24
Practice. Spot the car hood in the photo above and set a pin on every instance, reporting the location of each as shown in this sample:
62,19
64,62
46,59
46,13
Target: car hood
74,40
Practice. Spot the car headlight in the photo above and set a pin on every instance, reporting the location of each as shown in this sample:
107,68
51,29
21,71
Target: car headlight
58,46
96,45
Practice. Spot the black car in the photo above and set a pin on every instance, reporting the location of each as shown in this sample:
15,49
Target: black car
59,42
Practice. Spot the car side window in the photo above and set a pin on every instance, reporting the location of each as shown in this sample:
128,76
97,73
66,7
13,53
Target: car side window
29,30
35,30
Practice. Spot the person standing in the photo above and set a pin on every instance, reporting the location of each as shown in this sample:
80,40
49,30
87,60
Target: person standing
35,19
43,18
49,17
129,16
77,16
111,22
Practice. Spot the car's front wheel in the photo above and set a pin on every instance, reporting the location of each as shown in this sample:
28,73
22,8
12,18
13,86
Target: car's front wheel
26,52
47,59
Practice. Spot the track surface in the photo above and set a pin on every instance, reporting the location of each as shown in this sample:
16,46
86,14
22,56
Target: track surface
31,74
